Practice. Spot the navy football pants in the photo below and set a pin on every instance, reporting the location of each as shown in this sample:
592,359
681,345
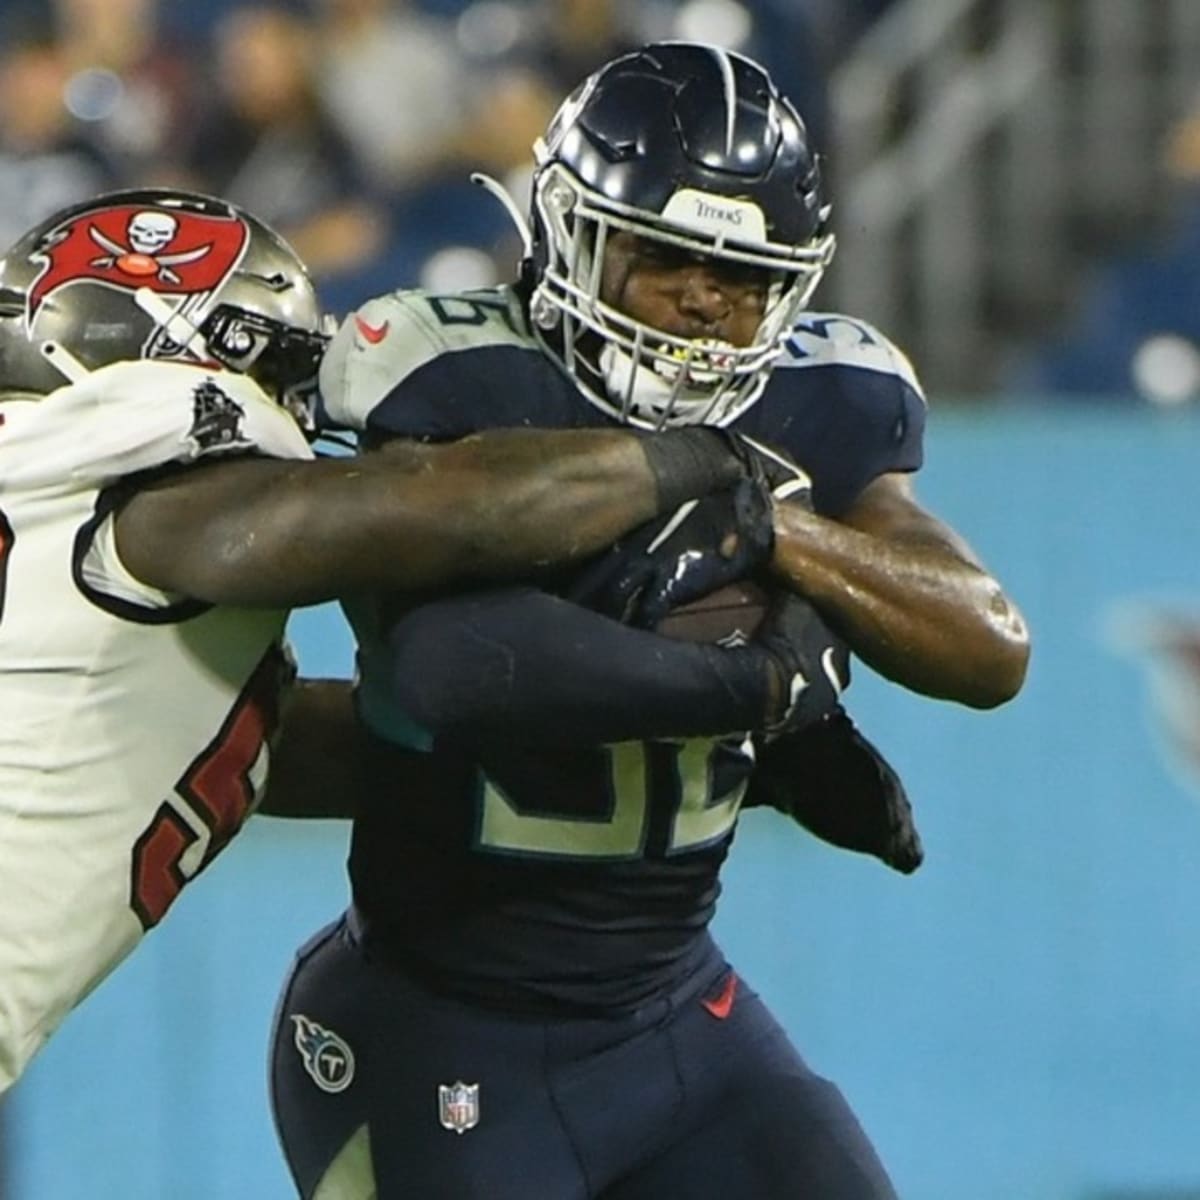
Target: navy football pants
677,1102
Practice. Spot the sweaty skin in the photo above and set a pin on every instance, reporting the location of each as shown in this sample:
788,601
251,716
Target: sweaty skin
275,533
904,589
908,594
680,293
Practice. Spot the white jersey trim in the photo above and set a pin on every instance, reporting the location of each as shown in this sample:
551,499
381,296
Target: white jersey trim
103,571
391,337
832,339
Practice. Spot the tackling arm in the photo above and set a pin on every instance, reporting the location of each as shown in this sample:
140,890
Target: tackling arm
279,533
324,760
321,760
908,594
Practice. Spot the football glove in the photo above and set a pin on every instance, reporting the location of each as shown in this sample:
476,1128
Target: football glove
702,546
832,781
811,664
783,478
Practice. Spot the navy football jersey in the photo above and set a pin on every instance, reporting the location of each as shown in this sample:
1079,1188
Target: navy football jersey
538,875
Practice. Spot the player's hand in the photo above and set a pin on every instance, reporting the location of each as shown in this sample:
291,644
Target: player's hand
811,664
832,781
702,546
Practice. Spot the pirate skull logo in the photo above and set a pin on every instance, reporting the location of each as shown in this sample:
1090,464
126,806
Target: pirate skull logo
148,233
151,232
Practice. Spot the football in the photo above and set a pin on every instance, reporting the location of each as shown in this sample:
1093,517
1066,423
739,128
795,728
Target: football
731,614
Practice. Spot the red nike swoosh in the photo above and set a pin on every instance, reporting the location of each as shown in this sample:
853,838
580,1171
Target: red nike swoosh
721,1005
373,333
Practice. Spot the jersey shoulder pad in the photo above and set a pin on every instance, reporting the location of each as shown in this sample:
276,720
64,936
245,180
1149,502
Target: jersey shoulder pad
838,340
392,337
133,416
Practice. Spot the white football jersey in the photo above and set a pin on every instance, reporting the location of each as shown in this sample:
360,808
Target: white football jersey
133,723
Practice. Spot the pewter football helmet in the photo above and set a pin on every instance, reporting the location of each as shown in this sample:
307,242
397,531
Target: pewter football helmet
158,274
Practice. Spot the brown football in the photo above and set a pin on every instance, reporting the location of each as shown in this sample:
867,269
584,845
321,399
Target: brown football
733,612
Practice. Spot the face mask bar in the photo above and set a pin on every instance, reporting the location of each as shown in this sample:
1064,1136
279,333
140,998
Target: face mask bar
648,399
283,359
173,332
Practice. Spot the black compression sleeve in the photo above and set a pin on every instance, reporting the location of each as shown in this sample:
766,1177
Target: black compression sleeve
691,462
522,665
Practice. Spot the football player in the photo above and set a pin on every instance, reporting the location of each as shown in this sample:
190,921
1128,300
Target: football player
524,998
160,509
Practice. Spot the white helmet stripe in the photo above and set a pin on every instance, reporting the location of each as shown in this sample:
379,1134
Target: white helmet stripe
64,361
725,65
178,327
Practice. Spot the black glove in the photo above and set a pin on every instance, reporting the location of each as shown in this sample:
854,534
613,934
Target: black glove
834,783
783,478
702,546
812,664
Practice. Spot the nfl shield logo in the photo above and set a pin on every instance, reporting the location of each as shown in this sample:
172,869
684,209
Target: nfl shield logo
458,1106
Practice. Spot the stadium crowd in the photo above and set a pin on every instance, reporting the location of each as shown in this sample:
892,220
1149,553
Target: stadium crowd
352,126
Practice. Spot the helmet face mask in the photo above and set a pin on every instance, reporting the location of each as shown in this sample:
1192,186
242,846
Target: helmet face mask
692,148
157,274
282,358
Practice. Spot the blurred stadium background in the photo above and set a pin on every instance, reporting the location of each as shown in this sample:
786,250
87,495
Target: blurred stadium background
1015,187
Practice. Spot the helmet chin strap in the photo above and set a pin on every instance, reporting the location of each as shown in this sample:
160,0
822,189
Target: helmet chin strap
176,326
63,361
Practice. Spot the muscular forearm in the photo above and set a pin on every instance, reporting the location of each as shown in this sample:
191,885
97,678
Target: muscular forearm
491,506
553,497
917,609
260,532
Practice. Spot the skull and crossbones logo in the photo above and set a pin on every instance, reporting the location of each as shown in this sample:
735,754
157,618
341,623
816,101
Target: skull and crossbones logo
148,233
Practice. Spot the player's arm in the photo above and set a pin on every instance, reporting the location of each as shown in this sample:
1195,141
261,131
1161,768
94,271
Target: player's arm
506,665
909,595
322,758
278,533
509,663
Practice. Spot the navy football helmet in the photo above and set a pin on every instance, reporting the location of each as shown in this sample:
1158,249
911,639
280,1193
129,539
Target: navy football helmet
158,274
693,146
